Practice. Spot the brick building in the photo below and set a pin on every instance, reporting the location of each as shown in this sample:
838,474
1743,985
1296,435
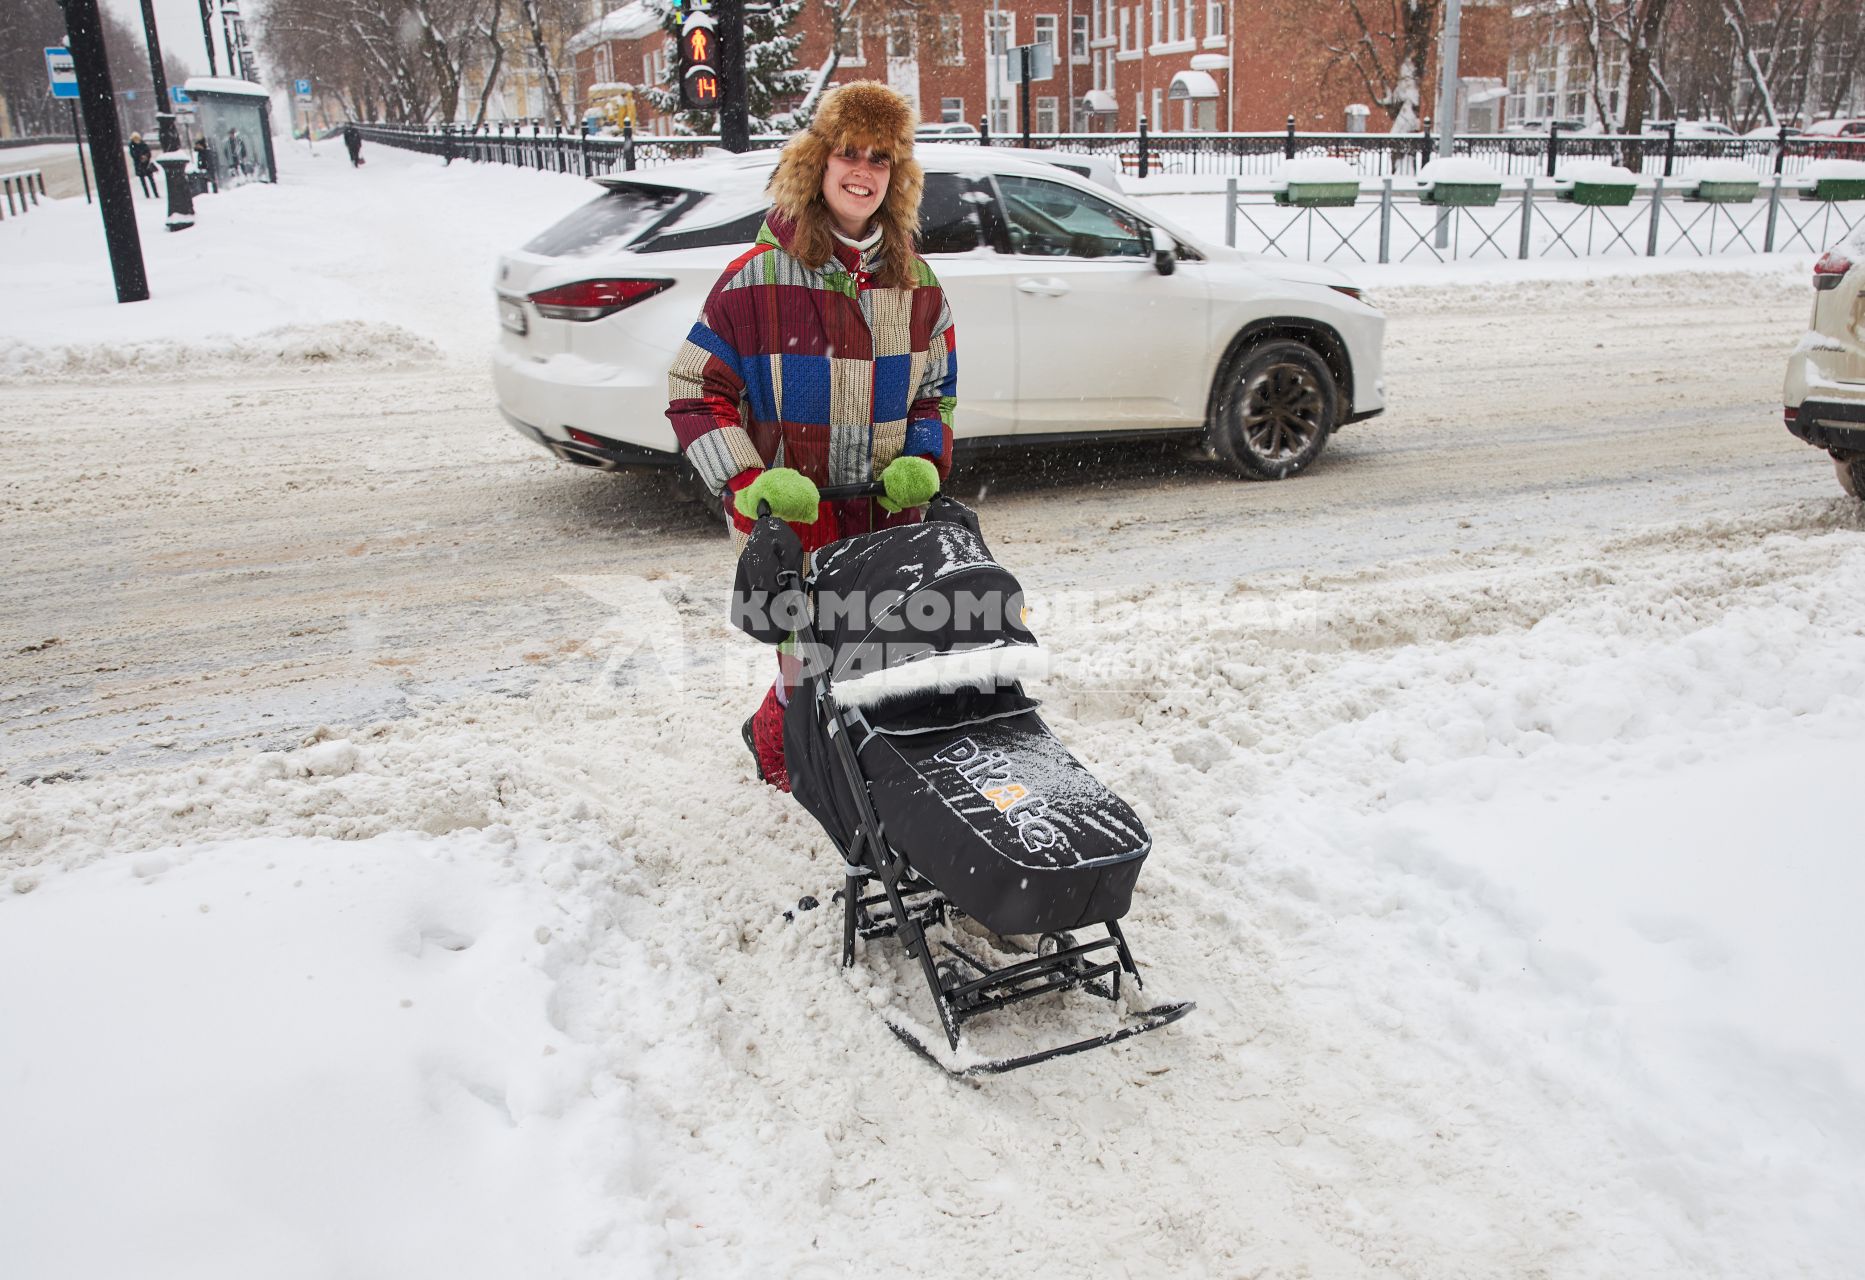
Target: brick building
1186,65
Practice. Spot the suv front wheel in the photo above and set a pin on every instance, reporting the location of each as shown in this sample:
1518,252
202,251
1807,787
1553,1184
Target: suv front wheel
1276,407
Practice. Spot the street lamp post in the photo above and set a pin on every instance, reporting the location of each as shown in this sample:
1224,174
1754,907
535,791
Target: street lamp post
164,114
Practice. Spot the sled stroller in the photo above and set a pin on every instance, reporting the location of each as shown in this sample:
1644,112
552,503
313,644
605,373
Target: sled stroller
911,740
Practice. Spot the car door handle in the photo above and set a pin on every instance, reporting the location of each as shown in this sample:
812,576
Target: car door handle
1047,286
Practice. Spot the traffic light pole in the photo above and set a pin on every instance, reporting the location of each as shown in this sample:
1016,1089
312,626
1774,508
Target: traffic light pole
85,36
734,101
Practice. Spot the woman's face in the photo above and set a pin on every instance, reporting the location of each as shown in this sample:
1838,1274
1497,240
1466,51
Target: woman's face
853,187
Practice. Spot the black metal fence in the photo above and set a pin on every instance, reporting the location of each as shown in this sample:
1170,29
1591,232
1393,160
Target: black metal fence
1146,154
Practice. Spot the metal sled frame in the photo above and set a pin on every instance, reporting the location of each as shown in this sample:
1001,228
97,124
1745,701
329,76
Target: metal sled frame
962,986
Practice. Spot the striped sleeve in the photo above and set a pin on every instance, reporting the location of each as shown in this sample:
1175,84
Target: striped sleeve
929,419
706,392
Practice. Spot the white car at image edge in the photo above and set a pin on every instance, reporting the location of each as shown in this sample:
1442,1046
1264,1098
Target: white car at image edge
1079,314
1825,391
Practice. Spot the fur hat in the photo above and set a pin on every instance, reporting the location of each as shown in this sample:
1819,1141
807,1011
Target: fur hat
865,115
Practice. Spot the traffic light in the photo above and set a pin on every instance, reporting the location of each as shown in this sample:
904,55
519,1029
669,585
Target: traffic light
699,58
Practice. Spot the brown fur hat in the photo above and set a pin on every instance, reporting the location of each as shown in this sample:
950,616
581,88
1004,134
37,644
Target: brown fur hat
866,115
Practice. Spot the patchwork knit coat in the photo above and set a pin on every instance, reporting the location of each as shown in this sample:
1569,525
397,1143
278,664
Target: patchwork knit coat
819,370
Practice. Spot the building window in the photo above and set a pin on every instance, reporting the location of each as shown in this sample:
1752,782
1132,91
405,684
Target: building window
1046,29
1159,21
1078,38
1000,38
900,37
952,110
1046,116
1126,30
1159,109
1172,20
1214,19
951,40
849,46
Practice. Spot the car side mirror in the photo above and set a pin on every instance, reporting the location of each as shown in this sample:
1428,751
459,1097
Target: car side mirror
1165,251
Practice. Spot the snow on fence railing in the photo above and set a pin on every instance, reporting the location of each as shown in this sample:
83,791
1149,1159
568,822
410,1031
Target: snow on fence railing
22,185
1149,154
1699,213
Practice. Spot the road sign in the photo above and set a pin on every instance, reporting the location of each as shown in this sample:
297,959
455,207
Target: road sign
179,96
62,71
303,89
1032,61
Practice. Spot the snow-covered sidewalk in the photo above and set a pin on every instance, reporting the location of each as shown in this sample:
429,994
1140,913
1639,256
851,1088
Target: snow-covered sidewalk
1514,894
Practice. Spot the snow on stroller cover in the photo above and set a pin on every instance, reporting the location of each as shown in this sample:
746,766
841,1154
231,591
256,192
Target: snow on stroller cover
912,742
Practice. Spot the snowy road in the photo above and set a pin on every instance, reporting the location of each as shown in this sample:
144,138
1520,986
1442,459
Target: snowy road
239,561
381,895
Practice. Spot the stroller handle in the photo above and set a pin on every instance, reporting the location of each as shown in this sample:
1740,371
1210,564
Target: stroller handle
839,492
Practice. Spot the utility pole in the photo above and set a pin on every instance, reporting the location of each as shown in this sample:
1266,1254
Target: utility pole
734,94
207,35
84,35
164,109
1448,80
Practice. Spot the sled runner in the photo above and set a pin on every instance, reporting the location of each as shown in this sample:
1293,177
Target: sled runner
911,740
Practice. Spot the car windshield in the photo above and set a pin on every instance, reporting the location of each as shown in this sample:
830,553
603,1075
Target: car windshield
611,220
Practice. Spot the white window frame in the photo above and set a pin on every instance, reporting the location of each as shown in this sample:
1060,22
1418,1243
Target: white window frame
1215,21
1049,109
1049,22
1159,22
1006,35
1126,29
859,57
900,31
604,65
1158,117
952,39
946,107
1078,38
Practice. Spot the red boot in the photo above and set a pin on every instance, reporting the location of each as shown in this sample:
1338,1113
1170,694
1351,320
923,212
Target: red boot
764,734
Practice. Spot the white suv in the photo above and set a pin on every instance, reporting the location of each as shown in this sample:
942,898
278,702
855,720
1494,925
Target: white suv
1080,314
1825,393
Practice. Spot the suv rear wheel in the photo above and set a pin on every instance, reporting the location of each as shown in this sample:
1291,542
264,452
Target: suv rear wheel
1851,474
1276,406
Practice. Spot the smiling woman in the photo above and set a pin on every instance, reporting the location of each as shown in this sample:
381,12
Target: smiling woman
825,355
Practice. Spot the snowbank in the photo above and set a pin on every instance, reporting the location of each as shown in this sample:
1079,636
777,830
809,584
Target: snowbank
1833,169
1516,926
1721,171
388,263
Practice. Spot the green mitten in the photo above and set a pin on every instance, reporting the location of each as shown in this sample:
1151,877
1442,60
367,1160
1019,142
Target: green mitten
910,482
792,496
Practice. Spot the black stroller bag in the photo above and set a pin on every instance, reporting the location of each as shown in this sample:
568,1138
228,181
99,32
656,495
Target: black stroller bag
920,637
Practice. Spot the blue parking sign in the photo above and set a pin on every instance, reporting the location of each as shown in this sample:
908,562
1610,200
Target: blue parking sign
62,71
304,89
178,95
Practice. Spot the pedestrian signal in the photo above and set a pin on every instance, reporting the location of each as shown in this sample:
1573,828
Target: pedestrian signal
699,55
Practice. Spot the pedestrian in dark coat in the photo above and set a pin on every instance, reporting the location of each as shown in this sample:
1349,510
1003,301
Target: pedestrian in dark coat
825,354
142,160
204,161
353,140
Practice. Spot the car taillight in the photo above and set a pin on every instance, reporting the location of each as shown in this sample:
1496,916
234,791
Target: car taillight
1790,415
594,299
1831,269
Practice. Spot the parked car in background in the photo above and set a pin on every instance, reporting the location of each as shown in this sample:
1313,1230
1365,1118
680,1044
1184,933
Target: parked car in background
1773,131
946,130
1841,139
1825,392
1081,315
1691,128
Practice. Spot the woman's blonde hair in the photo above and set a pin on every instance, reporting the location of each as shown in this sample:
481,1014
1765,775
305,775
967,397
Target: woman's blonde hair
863,115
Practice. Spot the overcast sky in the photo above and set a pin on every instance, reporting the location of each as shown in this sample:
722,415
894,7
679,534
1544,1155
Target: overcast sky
178,23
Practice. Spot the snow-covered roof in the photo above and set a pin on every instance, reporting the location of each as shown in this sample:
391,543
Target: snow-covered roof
1099,100
226,84
1192,84
630,22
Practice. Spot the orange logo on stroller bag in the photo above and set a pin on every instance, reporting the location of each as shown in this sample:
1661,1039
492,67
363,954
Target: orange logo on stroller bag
988,772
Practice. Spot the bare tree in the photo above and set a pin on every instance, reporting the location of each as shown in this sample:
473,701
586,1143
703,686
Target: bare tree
1389,47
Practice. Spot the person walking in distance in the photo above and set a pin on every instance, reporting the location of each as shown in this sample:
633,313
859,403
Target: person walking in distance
825,355
142,161
353,143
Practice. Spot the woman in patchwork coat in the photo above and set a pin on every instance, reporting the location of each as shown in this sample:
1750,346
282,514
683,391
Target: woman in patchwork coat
825,355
